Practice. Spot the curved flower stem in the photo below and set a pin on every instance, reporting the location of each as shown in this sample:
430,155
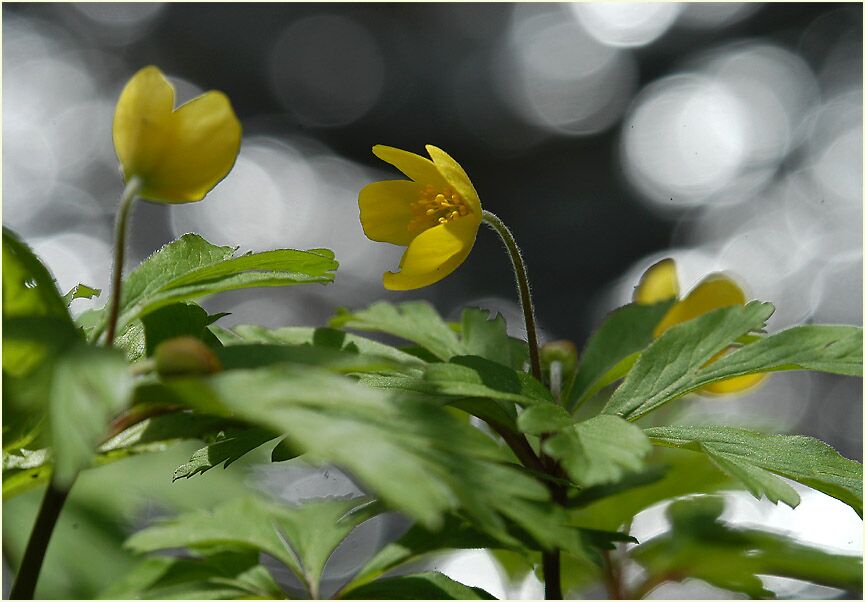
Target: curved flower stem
55,497
496,224
126,202
551,559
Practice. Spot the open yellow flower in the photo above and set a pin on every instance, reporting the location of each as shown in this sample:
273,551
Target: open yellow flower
177,155
436,215
660,283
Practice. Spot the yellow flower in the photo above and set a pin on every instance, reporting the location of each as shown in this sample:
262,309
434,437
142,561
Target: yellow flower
178,155
660,283
436,215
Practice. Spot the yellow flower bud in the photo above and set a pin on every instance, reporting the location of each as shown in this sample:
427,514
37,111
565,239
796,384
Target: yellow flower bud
177,155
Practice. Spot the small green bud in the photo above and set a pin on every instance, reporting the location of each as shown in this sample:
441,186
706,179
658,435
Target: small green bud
563,351
185,356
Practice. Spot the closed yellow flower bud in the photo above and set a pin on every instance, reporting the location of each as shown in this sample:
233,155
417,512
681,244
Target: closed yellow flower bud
177,155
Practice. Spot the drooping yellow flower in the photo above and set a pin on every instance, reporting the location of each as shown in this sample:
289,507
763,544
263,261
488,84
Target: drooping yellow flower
178,155
436,215
660,283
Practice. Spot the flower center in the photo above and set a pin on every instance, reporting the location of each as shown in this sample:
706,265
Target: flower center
436,207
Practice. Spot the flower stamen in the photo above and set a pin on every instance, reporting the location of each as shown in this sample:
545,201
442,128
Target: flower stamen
435,207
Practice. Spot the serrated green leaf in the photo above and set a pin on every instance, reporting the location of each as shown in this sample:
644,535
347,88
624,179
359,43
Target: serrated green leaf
327,338
821,347
700,546
419,586
88,386
544,418
624,333
81,291
751,456
600,450
469,377
191,267
258,355
223,452
301,537
383,440
230,574
667,369
488,338
415,321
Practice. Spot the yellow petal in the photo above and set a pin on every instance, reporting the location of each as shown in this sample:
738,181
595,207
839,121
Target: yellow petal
420,169
714,292
434,254
456,177
733,385
385,210
141,121
658,283
204,140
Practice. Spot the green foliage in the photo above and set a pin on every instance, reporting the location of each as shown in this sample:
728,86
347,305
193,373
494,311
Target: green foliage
420,586
88,387
545,475
666,369
191,267
752,457
81,291
226,450
214,575
700,546
613,349
301,537
36,323
597,451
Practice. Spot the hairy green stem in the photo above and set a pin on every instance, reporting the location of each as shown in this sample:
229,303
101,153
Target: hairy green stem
121,225
550,559
525,294
55,497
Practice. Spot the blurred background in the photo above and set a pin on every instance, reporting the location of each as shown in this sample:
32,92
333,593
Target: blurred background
608,136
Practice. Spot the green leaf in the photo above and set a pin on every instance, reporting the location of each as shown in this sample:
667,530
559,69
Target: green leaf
667,369
227,574
384,440
81,291
259,355
36,323
488,338
625,332
826,348
327,338
468,377
455,534
700,546
600,450
190,267
751,457
544,418
419,586
89,385
225,451
415,321
175,320
301,537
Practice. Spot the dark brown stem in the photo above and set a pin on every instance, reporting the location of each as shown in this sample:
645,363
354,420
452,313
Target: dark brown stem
34,555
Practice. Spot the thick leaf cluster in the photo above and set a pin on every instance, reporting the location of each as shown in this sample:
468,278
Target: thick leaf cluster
391,407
